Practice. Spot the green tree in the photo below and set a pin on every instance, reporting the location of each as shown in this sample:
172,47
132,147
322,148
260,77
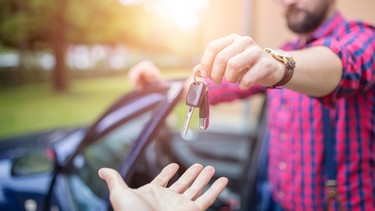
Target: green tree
51,25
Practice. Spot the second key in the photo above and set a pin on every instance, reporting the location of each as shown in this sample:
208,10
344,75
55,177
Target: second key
194,99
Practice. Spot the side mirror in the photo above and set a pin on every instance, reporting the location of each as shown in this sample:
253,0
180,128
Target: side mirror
33,163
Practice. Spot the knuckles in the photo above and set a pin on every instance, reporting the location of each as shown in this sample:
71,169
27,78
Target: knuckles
228,66
246,40
233,65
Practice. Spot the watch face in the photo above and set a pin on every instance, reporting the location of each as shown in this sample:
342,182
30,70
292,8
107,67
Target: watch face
282,53
277,51
279,55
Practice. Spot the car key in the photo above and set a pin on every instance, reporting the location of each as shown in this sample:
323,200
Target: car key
204,112
194,99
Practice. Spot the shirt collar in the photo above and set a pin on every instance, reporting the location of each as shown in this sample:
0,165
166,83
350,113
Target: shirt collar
325,30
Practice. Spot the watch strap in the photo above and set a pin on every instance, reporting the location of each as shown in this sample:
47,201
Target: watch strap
289,66
288,73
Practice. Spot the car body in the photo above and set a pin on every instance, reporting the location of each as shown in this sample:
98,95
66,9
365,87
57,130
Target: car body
57,170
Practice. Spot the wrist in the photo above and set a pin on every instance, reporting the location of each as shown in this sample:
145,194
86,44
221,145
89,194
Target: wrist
278,74
288,65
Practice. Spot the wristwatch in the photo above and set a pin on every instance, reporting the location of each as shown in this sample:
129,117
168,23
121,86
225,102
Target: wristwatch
289,62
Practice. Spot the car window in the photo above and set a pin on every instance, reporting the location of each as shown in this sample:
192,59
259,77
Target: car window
32,163
108,151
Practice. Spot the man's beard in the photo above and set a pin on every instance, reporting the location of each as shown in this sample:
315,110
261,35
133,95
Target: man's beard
309,22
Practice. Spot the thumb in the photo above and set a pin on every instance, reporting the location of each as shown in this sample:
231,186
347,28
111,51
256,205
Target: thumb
122,197
112,178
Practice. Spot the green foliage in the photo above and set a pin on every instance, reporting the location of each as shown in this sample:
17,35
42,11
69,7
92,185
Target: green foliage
87,22
44,25
98,21
23,23
33,24
34,107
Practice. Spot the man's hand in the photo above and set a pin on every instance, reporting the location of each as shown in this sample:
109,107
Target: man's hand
239,59
184,194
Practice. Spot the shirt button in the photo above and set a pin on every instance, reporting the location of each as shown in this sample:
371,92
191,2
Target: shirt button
282,165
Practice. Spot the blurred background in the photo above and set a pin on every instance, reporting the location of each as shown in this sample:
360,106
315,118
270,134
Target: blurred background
62,62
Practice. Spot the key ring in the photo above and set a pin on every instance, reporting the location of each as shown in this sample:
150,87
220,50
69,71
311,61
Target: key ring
195,78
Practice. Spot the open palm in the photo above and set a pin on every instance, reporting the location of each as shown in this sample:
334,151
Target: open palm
184,194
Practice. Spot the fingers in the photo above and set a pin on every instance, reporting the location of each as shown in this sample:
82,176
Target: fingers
228,57
239,64
238,59
212,50
187,178
265,72
209,197
193,182
165,175
250,77
225,61
200,182
121,196
190,185
197,70
143,74
113,180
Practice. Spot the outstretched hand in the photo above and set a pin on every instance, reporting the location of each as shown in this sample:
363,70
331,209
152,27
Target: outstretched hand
184,194
143,74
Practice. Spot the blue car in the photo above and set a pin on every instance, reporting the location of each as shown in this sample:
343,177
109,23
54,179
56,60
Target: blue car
137,135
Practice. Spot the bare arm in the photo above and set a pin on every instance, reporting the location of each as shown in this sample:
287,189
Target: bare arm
317,73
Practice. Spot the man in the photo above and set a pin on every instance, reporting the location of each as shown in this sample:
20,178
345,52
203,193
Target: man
329,67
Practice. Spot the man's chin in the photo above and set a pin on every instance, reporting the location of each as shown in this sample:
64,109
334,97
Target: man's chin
296,16
295,20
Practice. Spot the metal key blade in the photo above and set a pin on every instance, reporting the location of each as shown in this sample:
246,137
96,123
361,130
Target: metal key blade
188,118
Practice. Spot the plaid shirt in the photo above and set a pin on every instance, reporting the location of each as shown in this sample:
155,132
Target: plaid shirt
295,124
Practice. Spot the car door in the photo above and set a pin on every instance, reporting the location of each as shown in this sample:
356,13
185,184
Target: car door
116,140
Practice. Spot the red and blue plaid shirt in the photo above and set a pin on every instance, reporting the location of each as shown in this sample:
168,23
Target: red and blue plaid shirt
295,125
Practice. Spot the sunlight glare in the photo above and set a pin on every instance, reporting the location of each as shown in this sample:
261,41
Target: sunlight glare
185,13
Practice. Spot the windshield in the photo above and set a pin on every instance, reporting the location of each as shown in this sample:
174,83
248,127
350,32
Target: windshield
108,151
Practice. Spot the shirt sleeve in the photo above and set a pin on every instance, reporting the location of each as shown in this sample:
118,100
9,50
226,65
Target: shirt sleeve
355,46
226,92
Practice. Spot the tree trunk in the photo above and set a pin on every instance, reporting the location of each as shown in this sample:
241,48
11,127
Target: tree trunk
58,41
60,76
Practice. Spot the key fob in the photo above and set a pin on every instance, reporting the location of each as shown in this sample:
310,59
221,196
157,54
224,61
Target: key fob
195,94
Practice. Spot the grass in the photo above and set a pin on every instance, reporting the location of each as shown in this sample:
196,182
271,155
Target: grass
34,107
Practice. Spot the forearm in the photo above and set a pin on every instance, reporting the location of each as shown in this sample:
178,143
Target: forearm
317,73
